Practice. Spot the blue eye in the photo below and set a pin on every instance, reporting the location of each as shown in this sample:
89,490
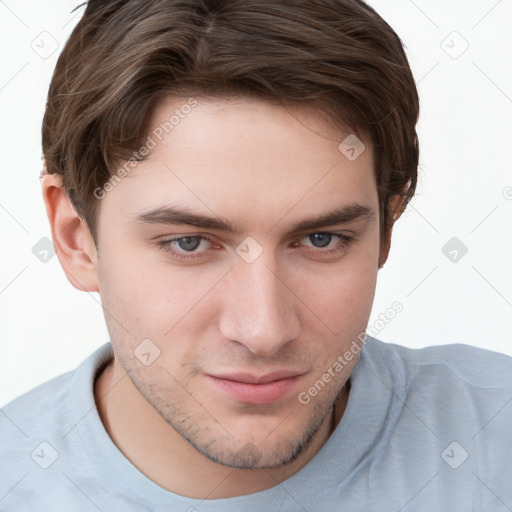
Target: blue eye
186,247
323,239
188,244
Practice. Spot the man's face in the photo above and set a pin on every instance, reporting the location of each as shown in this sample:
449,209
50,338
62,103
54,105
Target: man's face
263,297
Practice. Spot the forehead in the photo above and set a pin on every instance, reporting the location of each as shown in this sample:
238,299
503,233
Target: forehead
245,116
245,157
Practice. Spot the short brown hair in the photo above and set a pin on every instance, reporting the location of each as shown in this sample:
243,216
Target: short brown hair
123,57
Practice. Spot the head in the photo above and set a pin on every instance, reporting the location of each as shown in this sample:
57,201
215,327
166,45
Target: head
229,124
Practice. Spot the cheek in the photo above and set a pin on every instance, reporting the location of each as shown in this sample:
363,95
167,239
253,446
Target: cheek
151,296
341,298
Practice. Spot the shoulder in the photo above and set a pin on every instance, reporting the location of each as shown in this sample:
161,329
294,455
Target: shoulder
36,409
451,391
47,406
451,410
30,427
470,366
38,435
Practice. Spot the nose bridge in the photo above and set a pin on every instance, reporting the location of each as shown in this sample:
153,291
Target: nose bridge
260,310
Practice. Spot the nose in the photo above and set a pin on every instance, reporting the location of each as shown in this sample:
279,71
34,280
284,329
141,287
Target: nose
259,309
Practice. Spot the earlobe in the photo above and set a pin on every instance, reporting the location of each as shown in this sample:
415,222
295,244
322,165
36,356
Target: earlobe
73,242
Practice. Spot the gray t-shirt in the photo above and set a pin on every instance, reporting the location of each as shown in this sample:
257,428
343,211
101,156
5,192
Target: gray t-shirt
424,430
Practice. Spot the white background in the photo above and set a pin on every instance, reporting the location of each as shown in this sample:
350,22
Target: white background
465,191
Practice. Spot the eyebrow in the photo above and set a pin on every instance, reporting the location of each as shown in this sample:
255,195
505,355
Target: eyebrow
177,216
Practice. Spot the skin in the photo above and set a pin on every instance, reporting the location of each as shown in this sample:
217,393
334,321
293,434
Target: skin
294,307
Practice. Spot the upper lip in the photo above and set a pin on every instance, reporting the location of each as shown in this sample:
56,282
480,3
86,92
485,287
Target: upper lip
250,378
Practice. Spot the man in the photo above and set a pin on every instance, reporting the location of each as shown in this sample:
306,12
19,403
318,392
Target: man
226,174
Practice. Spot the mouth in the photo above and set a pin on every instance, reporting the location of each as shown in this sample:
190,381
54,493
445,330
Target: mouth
256,390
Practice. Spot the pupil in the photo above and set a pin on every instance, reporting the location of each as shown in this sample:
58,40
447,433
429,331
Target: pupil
323,238
189,243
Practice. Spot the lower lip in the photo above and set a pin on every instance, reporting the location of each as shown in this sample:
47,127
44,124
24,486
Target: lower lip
256,394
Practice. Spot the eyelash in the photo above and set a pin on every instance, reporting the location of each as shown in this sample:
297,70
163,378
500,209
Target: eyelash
345,241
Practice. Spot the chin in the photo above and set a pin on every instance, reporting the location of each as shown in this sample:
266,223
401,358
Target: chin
281,446
252,456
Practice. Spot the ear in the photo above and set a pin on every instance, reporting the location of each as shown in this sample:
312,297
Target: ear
72,240
396,203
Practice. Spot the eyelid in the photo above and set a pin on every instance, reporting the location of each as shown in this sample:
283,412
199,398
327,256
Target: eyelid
325,231
344,241
212,238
